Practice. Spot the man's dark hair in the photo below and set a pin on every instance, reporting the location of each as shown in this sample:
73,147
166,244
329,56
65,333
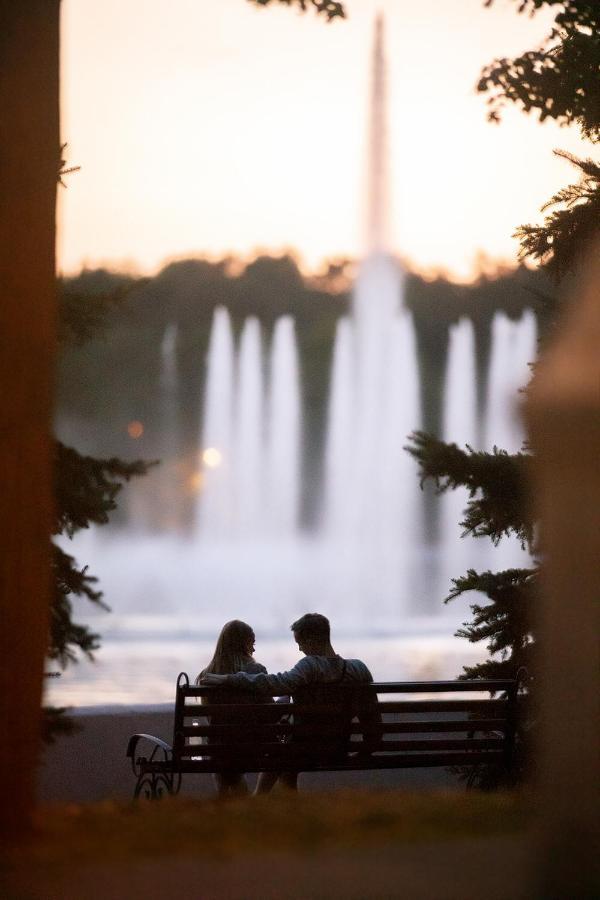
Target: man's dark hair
312,625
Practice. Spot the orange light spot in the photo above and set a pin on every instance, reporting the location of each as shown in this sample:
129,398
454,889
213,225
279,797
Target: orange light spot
135,429
196,482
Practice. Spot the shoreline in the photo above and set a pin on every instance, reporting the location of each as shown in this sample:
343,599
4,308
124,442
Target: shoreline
119,709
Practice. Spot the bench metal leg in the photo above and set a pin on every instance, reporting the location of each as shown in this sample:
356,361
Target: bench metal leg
153,785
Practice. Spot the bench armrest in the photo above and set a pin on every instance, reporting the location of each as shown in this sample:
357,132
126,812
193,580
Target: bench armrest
156,743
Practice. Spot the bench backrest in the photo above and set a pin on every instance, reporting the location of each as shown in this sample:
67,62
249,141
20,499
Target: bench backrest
384,725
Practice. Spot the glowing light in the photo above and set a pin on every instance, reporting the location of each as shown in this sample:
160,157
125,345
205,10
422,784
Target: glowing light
135,429
196,482
212,457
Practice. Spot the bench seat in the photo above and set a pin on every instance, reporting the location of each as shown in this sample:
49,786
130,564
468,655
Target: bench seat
408,725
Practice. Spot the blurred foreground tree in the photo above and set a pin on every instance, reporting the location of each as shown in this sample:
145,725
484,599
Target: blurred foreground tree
29,160
562,81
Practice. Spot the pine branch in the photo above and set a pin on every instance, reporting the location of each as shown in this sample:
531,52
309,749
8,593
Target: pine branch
502,668
559,80
569,230
69,579
329,8
86,487
85,490
505,623
498,502
64,633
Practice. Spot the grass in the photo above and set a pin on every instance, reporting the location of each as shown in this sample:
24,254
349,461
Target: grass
348,820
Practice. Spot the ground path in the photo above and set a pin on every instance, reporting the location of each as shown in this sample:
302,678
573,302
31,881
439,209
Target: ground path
474,869
345,843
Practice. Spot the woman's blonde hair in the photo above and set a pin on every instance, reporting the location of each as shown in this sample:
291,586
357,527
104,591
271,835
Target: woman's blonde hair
231,653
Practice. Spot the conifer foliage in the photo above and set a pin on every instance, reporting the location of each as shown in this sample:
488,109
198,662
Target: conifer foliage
331,9
569,229
560,80
85,489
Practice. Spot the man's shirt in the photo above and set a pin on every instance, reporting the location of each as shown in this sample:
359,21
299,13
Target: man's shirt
315,683
309,670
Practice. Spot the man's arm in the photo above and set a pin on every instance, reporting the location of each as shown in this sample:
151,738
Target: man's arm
281,683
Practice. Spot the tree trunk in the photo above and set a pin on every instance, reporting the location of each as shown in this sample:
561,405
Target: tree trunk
29,154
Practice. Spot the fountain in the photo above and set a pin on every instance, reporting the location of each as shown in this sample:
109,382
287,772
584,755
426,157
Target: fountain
365,561
364,541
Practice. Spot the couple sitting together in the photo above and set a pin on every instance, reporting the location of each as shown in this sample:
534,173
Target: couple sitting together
234,668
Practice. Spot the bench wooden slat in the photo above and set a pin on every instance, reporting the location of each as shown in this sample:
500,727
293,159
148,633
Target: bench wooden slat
395,687
333,709
245,733
291,750
391,761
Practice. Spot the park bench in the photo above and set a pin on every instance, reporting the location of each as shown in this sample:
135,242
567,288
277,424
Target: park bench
409,724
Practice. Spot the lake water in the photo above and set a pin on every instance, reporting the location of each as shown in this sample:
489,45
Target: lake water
170,596
140,667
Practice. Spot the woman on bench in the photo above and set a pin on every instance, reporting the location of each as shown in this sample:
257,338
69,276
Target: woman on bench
233,653
311,682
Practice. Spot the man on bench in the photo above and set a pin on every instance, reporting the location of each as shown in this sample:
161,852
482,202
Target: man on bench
312,683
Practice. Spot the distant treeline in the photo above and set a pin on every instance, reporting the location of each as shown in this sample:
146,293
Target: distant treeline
114,325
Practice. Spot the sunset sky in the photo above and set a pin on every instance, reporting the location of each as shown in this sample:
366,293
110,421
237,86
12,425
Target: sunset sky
207,127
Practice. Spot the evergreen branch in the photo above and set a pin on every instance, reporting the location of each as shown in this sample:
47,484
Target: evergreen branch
69,579
329,8
501,668
63,169
506,622
85,490
65,634
498,502
86,487
559,79
569,230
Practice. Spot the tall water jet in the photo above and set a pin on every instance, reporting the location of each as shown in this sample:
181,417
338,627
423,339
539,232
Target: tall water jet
370,506
338,467
403,413
513,349
282,461
377,220
249,463
459,427
525,352
216,491
169,418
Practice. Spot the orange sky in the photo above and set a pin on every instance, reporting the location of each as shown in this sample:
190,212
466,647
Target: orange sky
211,126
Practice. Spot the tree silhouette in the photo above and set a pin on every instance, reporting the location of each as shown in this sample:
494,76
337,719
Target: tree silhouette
329,8
558,80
